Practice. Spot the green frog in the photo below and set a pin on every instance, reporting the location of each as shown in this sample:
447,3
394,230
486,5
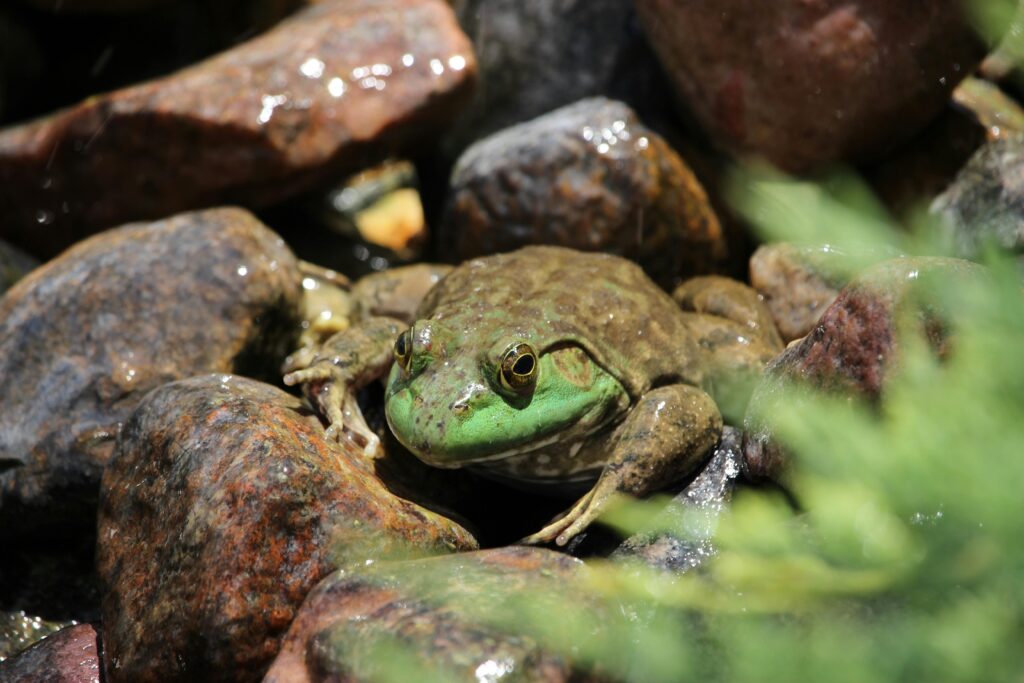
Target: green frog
550,367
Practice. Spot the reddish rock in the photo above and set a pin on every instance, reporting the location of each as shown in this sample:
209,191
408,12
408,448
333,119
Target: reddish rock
427,608
853,348
336,85
86,336
589,176
222,506
69,656
809,82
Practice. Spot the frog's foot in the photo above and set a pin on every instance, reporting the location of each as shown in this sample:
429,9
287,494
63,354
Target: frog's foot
583,513
334,394
666,435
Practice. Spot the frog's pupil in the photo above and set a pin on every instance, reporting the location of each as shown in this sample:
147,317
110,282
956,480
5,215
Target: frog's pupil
400,346
524,365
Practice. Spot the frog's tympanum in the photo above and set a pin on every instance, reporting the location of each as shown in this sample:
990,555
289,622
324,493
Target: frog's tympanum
550,367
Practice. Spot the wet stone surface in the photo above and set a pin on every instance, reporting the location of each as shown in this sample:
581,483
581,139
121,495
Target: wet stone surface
691,515
831,81
589,176
83,338
985,203
436,611
223,505
19,631
324,93
852,348
71,655
538,56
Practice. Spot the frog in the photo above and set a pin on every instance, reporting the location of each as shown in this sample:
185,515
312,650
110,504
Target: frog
553,369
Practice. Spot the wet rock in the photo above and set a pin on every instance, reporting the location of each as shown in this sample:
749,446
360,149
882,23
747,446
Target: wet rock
538,56
985,204
805,84
852,349
14,264
588,176
222,506
85,337
432,610
796,283
69,656
321,95
684,531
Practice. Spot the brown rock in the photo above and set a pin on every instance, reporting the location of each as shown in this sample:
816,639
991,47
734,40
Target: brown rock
338,84
853,348
588,176
86,336
223,505
796,284
431,610
805,83
69,656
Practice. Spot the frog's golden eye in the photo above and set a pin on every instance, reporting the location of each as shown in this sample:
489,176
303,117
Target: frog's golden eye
518,370
403,350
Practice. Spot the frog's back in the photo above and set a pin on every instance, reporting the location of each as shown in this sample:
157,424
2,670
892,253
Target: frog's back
554,295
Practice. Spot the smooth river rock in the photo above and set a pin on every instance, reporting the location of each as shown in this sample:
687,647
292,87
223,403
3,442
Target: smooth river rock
431,611
86,336
71,655
223,505
852,349
807,83
325,92
589,176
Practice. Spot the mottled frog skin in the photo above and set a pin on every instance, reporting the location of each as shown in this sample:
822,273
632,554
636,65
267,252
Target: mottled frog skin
547,366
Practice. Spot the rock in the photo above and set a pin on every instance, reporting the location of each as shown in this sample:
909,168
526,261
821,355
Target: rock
69,656
852,349
431,610
796,283
805,84
538,56
588,176
86,336
684,531
320,95
222,506
985,203
14,264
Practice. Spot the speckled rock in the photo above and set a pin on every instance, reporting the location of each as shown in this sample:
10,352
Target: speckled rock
329,89
538,56
852,348
19,631
222,506
588,176
809,83
684,538
796,284
985,204
432,610
83,338
69,656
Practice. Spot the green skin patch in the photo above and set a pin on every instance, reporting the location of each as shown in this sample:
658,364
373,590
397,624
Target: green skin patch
456,412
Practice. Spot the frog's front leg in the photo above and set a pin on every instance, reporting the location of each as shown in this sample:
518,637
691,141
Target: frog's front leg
664,437
332,374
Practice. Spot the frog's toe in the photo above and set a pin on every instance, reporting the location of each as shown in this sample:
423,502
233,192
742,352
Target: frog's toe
316,373
583,513
300,360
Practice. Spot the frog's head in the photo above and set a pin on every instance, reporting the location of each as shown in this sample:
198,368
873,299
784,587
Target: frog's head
458,399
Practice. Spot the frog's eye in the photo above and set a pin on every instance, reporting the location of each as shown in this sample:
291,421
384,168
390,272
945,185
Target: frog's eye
403,349
518,368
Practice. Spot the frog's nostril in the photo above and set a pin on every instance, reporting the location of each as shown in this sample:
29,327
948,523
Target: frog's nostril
460,407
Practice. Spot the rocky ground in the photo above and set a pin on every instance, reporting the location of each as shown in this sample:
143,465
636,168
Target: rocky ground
178,218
